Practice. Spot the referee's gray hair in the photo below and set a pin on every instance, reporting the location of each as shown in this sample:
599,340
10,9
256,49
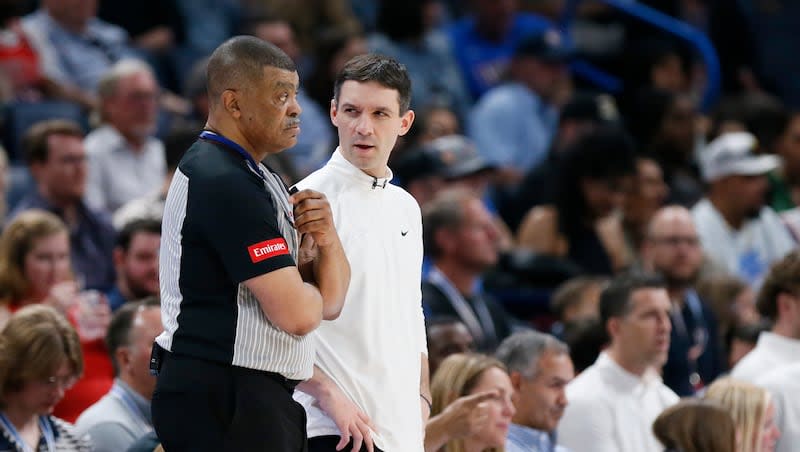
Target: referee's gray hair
521,351
107,86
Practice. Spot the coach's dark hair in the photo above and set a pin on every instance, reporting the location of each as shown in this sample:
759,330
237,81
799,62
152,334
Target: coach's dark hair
240,61
384,70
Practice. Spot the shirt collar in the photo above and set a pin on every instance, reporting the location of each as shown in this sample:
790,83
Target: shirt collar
624,379
117,143
141,403
523,434
363,179
54,25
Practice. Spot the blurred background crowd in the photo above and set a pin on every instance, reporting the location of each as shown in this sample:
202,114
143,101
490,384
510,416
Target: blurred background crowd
559,147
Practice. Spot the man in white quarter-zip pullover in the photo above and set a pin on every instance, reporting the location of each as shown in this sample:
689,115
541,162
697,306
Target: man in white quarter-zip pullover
370,385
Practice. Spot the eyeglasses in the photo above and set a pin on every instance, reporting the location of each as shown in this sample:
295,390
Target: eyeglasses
62,382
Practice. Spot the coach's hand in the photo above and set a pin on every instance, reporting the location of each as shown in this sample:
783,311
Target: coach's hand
350,420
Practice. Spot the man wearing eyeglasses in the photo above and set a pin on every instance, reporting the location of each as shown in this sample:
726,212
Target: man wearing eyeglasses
672,249
126,160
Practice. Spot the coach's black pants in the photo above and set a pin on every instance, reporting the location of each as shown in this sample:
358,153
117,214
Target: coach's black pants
204,406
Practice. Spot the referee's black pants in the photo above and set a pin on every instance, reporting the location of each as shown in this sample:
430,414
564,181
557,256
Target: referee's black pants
204,406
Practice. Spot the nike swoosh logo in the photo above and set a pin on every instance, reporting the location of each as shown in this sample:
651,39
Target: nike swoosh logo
403,233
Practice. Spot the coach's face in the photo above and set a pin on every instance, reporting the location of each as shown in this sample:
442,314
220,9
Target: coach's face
368,118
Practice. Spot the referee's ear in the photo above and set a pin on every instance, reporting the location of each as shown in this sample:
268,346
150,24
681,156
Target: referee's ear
230,100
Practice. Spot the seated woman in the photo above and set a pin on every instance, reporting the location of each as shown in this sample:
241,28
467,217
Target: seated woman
685,427
472,406
40,358
753,412
584,223
35,269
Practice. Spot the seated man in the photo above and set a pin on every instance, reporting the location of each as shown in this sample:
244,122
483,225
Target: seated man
540,368
461,239
123,415
136,262
74,45
56,156
613,403
446,335
738,231
126,160
575,300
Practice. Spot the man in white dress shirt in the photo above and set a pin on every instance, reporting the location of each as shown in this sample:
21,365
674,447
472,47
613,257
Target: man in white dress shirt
779,301
613,403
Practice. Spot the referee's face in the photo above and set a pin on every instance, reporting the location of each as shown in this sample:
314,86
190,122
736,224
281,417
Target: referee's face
368,118
270,113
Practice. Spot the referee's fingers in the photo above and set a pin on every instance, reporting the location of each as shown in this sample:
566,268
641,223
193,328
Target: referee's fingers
312,226
310,204
302,195
309,216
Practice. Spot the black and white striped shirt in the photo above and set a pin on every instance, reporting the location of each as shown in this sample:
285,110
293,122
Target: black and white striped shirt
224,224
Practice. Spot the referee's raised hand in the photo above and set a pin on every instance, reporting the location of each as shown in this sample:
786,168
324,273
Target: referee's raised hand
314,219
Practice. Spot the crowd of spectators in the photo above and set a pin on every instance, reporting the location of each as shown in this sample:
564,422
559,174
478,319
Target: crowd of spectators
592,253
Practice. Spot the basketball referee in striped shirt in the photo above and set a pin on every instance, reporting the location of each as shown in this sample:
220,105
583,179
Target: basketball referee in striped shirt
236,302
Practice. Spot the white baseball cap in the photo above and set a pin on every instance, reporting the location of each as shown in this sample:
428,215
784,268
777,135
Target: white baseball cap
732,154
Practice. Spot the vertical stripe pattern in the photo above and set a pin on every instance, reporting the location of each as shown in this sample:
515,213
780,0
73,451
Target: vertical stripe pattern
169,263
259,344
256,343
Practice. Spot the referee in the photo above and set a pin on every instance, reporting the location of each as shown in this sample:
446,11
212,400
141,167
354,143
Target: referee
236,304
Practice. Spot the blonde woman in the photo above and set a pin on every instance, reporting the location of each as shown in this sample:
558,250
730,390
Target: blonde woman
477,390
752,410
